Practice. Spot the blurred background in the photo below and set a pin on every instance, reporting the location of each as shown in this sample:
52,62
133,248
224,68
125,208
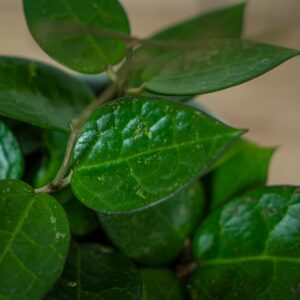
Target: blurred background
268,106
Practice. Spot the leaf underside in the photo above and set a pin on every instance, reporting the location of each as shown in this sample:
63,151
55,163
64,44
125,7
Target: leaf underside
96,272
39,94
172,221
205,66
219,24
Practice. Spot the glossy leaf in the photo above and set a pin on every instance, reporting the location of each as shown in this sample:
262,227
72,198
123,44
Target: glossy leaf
34,240
98,273
82,220
136,152
246,167
11,158
157,234
65,30
250,249
205,66
40,94
162,284
29,137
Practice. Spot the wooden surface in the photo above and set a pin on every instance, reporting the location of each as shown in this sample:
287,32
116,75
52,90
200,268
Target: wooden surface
268,106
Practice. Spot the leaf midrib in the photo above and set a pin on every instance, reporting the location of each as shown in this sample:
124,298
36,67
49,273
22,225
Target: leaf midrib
249,259
159,149
17,229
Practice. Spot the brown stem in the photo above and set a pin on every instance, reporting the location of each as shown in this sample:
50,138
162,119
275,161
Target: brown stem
183,271
60,181
77,124
186,265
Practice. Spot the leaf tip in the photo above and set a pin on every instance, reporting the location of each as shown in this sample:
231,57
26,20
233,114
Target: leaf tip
238,132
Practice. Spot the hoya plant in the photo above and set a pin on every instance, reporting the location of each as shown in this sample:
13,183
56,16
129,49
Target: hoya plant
120,186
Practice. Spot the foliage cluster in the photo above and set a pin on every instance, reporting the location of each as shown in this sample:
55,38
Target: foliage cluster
121,186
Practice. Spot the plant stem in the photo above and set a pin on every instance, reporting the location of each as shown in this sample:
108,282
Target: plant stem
107,94
186,265
60,181
53,187
116,88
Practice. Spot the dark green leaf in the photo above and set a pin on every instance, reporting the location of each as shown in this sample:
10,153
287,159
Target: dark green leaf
135,152
65,30
64,196
55,146
225,23
250,249
162,284
246,168
34,240
155,236
82,220
98,273
40,94
11,158
206,66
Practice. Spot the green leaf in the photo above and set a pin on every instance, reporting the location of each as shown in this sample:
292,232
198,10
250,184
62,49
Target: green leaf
40,94
162,284
194,102
55,143
82,220
157,234
250,249
34,241
223,23
82,35
11,158
206,66
246,168
138,151
219,24
29,137
148,94
99,273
